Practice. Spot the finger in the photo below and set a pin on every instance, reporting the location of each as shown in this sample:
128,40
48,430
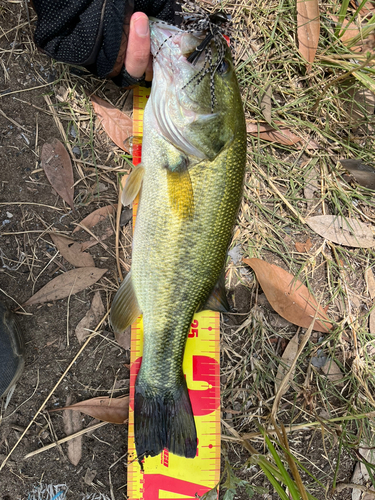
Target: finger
138,49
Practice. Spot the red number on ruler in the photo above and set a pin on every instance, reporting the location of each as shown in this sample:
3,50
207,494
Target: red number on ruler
205,369
194,329
154,483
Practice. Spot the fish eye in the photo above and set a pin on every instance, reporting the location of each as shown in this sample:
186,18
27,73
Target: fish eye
224,67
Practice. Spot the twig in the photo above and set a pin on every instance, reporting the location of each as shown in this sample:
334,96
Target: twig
65,439
299,217
67,313
285,380
118,218
14,122
244,442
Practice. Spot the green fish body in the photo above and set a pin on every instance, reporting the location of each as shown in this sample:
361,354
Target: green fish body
191,178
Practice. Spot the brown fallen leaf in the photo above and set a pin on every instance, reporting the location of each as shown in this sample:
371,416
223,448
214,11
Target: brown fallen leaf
369,7
117,124
359,103
372,322
73,423
55,161
348,31
370,281
95,217
308,29
67,284
71,251
303,247
343,230
288,296
287,359
269,133
111,410
360,475
91,318
362,173
89,476
123,338
332,372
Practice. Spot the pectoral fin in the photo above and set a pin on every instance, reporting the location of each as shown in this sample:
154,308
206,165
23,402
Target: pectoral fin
133,185
124,309
217,301
180,192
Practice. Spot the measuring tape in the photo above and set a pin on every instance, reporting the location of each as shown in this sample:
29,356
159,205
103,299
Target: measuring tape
168,476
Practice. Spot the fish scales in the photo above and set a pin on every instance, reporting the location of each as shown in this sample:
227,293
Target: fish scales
192,176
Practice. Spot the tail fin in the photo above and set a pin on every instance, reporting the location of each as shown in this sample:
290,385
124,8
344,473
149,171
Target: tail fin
164,420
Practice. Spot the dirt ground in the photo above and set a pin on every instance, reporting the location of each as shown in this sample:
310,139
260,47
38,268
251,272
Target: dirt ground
33,209
29,209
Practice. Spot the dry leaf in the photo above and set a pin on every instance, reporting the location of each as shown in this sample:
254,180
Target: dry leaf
269,133
369,7
359,103
287,359
332,371
123,339
362,173
303,247
73,423
111,410
72,251
288,296
67,284
343,230
370,281
95,217
265,104
117,124
361,475
92,317
89,476
57,166
347,31
308,29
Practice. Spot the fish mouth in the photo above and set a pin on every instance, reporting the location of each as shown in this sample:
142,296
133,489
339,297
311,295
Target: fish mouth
177,63
190,46
177,60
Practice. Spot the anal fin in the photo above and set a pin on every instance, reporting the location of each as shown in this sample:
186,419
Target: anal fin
133,185
125,309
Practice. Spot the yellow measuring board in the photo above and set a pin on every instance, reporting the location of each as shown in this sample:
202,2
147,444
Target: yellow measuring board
168,476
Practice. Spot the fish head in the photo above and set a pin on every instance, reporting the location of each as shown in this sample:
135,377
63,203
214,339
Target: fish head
195,96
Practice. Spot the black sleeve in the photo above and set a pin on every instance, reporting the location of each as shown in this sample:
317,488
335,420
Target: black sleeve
93,33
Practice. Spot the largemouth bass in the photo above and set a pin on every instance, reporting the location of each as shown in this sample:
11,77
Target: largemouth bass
191,177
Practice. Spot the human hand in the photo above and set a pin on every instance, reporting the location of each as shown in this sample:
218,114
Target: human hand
138,59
